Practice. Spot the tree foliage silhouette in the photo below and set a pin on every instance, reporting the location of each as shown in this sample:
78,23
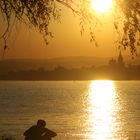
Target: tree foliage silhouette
39,13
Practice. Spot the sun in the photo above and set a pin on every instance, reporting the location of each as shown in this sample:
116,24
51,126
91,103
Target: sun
101,6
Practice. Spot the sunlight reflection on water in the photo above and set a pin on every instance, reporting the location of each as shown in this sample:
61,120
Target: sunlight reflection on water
76,110
102,96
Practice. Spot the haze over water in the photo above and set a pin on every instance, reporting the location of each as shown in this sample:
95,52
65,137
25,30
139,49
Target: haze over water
76,110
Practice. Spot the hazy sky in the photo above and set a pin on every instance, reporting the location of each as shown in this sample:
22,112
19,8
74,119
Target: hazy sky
28,43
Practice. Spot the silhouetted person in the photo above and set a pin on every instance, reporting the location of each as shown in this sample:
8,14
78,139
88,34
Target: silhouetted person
39,132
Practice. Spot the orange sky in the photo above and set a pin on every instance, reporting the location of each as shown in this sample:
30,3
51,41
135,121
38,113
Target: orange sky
28,43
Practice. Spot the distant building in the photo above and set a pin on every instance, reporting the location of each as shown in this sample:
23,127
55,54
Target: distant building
117,63
120,60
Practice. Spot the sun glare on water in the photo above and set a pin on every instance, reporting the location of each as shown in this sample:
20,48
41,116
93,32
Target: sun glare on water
101,102
101,6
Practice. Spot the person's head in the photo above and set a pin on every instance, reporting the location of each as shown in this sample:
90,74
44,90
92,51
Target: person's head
41,123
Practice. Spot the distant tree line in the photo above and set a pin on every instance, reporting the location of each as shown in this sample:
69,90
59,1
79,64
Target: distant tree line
114,72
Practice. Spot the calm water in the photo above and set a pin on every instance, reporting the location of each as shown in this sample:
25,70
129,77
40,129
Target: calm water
89,110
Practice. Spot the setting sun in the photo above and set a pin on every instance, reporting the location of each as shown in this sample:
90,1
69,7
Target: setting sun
101,6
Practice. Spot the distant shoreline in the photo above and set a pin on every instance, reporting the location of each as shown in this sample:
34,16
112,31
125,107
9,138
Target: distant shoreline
36,80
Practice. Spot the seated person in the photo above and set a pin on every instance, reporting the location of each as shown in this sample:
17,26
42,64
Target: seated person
39,132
